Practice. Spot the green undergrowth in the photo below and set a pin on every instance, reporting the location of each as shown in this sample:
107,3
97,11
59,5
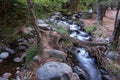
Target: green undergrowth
90,29
114,68
31,52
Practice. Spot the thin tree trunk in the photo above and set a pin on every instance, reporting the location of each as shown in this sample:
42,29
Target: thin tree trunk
116,33
99,13
33,21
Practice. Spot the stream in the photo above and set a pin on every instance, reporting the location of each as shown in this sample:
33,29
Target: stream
86,62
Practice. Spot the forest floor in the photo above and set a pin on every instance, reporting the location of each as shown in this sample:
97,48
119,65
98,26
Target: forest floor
108,22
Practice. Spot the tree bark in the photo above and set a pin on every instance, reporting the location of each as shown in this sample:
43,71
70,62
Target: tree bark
99,13
33,21
116,33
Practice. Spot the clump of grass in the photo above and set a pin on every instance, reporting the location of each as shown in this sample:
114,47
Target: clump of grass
90,29
62,30
31,52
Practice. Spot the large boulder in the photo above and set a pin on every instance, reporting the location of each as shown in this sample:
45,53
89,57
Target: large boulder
56,71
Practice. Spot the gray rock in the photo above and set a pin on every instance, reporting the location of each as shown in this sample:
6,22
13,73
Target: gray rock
75,77
44,26
62,24
113,55
4,55
6,75
60,55
40,21
36,58
21,48
28,30
17,59
9,50
81,73
3,78
55,71
106,77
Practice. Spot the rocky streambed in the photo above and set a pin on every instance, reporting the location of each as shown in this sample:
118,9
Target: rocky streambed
12,57
86,68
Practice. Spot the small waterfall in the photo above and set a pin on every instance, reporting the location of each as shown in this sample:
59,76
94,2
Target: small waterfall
87,63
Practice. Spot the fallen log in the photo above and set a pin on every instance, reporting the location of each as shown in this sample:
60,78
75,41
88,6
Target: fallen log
87,43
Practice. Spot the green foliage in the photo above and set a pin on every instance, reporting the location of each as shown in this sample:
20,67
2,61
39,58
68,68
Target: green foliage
31,52
13,14
47,6
115,68
90,29
62,30
67,43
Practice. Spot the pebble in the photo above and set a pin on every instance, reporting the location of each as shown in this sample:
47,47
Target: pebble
36,58
17,59
4,55
11,51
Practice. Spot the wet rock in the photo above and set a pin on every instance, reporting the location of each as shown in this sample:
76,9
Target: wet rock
113,55
43,25
75,77
55,71
60,55
40,21
62,24
74,27
81,73
17,60
4,55
6,75
3,78
9,50
21,48
78,36
28,30
103,71
84,34
106,77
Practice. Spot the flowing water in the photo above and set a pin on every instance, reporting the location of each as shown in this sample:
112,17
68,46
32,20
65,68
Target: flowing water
85,61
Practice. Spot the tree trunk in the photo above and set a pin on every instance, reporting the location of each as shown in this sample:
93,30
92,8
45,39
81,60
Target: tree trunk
33,21
99,13
116,33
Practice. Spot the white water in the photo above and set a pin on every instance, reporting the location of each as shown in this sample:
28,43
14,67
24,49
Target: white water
87,63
